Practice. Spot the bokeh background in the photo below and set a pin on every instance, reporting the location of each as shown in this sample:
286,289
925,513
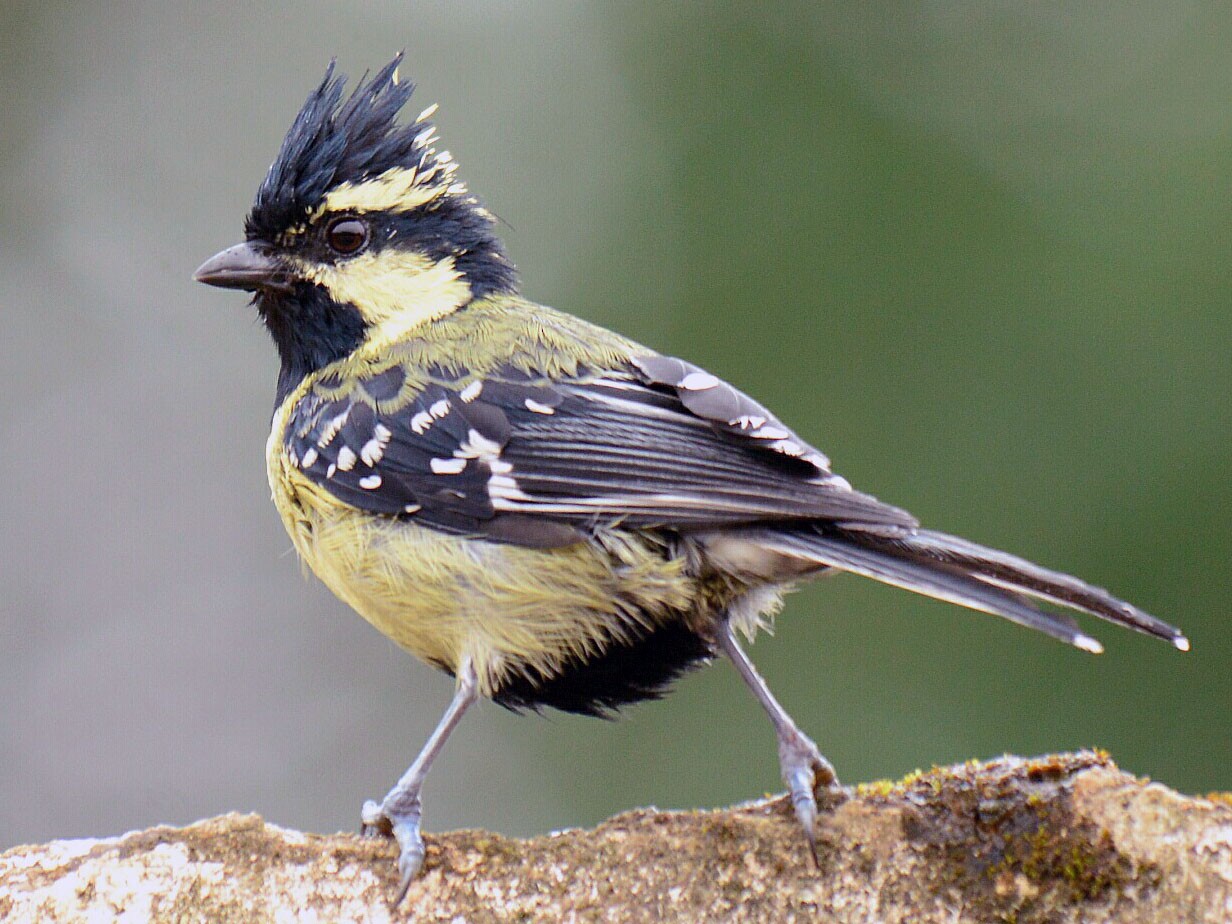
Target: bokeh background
978,252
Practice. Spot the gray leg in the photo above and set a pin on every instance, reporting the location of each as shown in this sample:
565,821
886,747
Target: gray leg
399,812
804,769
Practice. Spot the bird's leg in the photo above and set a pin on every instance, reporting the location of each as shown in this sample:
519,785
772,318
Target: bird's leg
804,769
399,812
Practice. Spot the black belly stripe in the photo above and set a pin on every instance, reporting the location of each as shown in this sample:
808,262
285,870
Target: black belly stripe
625,672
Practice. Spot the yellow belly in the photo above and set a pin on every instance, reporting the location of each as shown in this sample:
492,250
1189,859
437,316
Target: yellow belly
507,608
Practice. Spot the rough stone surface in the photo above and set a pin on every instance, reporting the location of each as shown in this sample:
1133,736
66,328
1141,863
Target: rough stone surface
1065,838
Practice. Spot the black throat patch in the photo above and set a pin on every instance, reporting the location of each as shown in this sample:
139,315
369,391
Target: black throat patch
310,330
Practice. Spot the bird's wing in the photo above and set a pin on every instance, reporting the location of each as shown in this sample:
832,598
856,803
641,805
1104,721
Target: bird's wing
520,458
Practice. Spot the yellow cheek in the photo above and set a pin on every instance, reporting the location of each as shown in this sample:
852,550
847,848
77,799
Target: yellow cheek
394,290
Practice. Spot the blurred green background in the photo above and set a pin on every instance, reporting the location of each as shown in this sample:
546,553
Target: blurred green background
977,252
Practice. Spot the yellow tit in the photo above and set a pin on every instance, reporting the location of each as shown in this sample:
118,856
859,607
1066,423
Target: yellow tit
547,511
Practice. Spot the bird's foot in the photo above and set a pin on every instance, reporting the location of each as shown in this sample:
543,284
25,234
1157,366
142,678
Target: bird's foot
403,826
806,773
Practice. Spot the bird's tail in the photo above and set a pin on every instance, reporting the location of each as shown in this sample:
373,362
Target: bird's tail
958,571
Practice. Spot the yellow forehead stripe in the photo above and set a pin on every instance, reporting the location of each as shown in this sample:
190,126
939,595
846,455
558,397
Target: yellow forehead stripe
394,290
398,189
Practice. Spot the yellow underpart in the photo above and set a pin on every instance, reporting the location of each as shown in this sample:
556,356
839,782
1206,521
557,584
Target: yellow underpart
394,290
509,609
399,189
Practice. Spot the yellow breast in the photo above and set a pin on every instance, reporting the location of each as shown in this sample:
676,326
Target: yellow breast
444,598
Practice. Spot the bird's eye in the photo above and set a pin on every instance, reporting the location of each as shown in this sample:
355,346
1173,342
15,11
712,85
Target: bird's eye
347,235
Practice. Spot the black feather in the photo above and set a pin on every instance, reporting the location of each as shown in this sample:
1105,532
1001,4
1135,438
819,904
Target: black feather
1001,569
931,579
575,453
626,672
961,572
331,142
310,330
453,226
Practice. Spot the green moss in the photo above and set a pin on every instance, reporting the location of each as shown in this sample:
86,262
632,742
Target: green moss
1005,834
880,788
1079,861
914,777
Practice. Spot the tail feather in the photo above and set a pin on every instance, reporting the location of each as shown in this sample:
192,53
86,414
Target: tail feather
1006,570
958,571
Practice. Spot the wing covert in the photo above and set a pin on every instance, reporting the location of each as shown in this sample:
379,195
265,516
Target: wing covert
518,458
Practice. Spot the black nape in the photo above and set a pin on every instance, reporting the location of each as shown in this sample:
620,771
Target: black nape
455,226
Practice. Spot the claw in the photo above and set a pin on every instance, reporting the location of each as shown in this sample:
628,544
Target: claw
803,801
410,856
404,886
377,821
805,772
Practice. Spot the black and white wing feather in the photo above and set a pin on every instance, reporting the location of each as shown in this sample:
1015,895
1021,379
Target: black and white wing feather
515,457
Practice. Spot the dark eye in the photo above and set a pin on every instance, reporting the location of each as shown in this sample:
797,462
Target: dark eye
347,235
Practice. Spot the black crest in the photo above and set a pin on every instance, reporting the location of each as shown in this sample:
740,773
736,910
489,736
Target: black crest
332,142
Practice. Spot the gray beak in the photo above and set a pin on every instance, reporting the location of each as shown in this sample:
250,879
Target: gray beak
242,267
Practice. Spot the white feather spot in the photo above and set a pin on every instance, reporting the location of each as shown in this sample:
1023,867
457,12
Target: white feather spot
504,488
331,428
370,482
331,471
698,381
412,508
371,452
310,456
748,421
1086,643
374,449
477,446
1181,643
499,466
346,459
427,113
538,407
439,408
617,384
447,466
471,391
772,433
421,421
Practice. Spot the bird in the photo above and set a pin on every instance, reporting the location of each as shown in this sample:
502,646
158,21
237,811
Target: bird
551,513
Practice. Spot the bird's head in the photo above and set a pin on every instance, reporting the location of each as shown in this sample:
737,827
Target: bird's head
360,229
